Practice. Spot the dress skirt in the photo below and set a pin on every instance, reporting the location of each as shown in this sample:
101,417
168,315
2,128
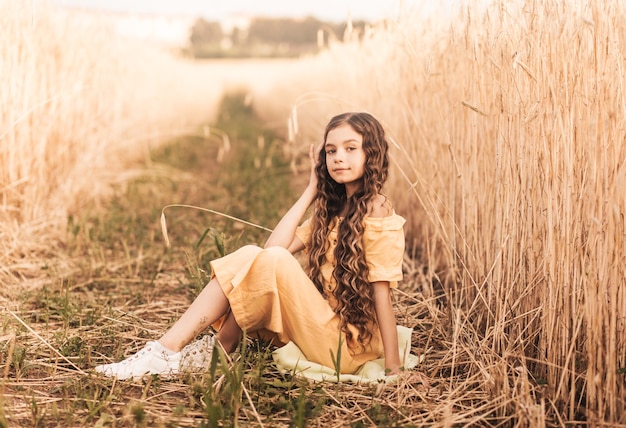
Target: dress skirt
270,293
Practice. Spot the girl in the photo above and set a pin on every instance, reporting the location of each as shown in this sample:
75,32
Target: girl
355,246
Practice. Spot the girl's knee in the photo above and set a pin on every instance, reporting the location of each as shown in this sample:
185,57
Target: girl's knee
250,248
276,253
248,251
278,257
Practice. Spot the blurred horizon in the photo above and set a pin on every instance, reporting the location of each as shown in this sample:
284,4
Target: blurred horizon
330,10
170,23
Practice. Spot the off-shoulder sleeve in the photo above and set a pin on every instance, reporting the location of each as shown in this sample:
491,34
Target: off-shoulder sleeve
383,242
303,232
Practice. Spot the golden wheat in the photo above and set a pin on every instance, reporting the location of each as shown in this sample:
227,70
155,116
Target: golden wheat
509,146
79,105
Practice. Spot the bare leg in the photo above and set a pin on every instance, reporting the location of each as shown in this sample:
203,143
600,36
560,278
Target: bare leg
207,308
230,334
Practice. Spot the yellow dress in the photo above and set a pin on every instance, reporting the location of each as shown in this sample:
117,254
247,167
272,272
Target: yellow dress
270,293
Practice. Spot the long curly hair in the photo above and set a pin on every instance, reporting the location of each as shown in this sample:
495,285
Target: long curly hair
354,293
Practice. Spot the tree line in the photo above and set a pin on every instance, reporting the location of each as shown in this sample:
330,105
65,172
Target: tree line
265,37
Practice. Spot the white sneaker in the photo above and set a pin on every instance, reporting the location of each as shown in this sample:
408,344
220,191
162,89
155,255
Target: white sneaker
196,357
152,359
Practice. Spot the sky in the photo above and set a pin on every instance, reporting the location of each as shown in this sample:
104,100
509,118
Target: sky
331,10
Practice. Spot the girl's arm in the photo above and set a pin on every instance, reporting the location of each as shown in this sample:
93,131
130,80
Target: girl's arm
284,234
387,325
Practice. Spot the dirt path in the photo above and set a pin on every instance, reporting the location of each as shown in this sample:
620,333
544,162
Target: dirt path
216,78
129,287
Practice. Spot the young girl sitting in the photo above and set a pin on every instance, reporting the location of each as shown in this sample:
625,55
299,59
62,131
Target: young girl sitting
355,245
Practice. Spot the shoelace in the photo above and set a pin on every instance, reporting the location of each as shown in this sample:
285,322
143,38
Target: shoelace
141,353
197,354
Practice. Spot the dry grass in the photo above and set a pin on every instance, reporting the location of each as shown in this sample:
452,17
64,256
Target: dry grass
51,382
53,350
129,290
509,147
34,393
79,106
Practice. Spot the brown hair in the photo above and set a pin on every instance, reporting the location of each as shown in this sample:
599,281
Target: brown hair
354,293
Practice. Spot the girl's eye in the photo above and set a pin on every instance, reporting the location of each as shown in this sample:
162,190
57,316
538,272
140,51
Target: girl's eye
330,152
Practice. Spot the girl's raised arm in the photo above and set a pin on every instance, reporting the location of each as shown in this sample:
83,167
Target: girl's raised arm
284,234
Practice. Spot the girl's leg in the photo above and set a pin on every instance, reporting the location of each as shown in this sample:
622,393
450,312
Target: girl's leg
230,334
208,307
164,357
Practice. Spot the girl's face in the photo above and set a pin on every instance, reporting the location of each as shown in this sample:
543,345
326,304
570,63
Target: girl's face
345,157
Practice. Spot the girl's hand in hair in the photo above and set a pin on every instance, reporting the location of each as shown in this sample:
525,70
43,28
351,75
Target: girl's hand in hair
284,234
314,153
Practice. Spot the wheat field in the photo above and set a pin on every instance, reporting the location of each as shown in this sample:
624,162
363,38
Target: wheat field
508,151
79,107
510,147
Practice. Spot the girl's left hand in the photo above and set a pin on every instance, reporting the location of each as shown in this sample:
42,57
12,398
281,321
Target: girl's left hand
313,157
